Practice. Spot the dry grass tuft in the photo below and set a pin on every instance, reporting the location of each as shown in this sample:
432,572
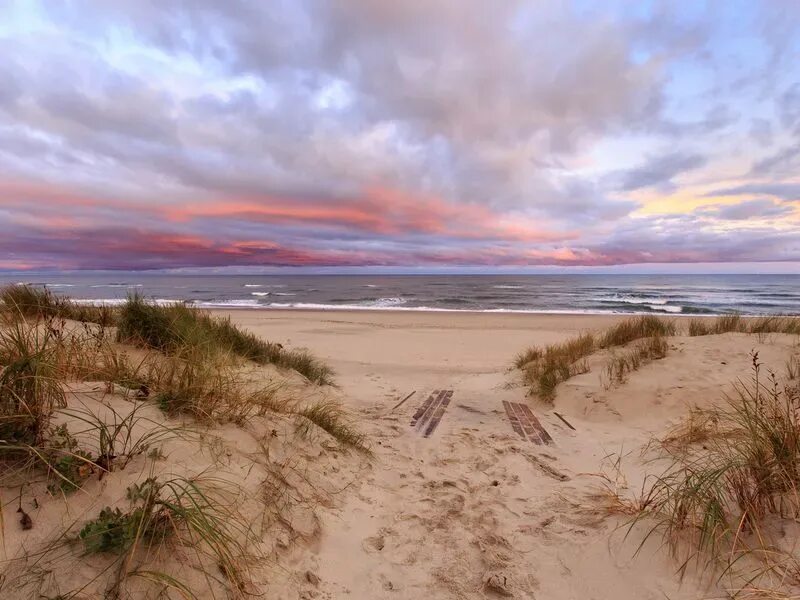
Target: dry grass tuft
714,501
544,368
738,324
793,367
636,328
698,427
329,416
208,387
29,387
40,302
620,364
175,327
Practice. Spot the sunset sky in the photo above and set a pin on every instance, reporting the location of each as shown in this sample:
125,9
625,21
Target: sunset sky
419,134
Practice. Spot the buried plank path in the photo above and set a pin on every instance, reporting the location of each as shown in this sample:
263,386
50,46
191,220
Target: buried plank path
430,412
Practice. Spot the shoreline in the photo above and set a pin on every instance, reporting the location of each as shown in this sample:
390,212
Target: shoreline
426,309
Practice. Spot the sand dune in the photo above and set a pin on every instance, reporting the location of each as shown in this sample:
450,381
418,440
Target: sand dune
474,489
474,510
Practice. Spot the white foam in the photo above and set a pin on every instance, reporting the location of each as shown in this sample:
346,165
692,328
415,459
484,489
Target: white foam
121,301
632,300
230,304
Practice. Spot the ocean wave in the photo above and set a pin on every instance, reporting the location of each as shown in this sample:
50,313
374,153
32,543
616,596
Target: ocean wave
521,311
247,303
386,302
258,285
260,293
664,308
121,301
509,287
631,299
116,285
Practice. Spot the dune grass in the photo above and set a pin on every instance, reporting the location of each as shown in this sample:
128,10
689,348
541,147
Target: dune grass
208,387
40,302
544,368
166,520
620,364
793,367
174,327
329,416
171,527
738,324
29,387
714,501
636,328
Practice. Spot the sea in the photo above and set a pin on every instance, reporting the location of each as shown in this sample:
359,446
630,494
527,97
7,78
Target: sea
585,293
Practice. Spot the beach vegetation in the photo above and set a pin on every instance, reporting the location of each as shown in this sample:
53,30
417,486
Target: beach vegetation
33,301
193,516
172,328
641,352
635,328
543,369
29,387
330,417
739,324
734,470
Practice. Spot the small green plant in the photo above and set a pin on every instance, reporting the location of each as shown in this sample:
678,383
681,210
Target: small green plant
179,512
118,437
68,466
112,531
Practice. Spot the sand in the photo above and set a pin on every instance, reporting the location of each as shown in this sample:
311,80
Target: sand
471,511
439,517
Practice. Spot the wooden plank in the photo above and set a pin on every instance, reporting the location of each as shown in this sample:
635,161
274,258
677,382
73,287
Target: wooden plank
567,423
530,431
545,437
399,404
437,416
525,423
423,408
512,417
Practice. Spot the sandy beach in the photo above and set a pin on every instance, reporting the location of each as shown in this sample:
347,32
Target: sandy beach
428,469
473,510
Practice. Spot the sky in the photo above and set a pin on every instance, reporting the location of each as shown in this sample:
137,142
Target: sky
418,135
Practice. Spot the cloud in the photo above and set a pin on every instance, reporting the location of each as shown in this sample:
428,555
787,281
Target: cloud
785,191
659,171
749,209
363,132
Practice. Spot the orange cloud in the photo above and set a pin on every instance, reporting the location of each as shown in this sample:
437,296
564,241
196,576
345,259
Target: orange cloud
380,211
